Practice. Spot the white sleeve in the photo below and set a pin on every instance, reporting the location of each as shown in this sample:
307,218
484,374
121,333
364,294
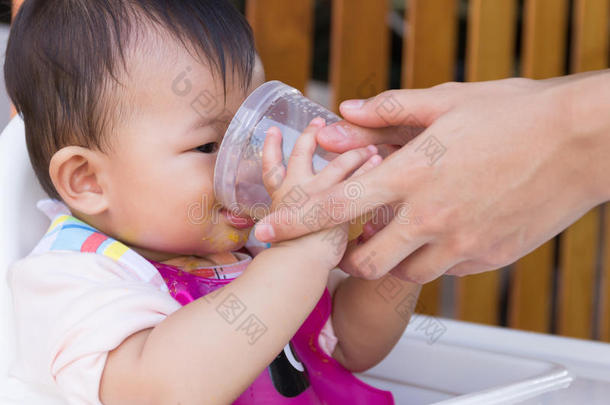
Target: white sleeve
71,309
327,338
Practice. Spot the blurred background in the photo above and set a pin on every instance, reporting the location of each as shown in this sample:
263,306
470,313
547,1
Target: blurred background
339,49
334,50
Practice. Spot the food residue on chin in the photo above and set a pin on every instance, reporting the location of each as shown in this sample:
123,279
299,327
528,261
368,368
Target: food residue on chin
233,236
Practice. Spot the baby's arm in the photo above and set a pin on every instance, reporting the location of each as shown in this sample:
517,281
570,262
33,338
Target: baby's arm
369,317
203,352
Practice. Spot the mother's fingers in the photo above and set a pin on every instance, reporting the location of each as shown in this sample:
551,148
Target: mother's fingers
412,107
468,267
382,252
343,136
425,264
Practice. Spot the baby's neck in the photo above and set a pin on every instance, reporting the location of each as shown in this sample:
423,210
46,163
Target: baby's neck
221,258
212,259
195,263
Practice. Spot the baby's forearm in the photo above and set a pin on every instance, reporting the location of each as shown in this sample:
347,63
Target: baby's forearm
369,317
212,349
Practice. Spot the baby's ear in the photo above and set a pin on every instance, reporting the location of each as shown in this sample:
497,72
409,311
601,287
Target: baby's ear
76,173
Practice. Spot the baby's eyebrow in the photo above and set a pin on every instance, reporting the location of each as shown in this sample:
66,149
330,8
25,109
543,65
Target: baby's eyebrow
201,121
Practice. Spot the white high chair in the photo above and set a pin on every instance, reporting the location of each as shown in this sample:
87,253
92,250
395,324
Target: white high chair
21,226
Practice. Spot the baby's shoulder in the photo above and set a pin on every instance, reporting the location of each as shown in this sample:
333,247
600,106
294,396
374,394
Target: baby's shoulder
57,266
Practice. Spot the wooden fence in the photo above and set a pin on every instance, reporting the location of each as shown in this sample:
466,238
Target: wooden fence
564,286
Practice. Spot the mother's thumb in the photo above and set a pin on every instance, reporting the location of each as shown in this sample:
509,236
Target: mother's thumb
413,108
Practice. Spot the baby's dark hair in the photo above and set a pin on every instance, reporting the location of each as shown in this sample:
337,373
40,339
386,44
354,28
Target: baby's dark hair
61,63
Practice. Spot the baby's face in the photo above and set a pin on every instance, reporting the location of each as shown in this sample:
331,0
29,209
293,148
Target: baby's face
161,169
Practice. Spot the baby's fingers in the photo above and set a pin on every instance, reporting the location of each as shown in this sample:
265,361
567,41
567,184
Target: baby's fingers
299,163
273,168
343,165
372,162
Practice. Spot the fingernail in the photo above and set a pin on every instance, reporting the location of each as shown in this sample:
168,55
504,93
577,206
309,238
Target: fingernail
352,104
375,160
318,122
372,148
342,131
264,232
334,133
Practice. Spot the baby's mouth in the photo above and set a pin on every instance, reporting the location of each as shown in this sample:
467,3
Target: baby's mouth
236,221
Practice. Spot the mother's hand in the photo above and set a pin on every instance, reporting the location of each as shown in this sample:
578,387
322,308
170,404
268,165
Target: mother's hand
500,168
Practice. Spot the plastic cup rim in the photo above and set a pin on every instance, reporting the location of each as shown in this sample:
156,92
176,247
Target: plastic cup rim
242,126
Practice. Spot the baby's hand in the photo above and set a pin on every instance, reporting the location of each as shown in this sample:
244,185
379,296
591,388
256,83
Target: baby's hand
290,187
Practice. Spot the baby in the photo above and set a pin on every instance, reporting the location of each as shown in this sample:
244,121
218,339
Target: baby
131,299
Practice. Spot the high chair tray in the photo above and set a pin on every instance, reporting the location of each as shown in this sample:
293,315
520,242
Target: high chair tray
475,364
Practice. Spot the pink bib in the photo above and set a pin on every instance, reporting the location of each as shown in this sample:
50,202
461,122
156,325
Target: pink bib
322,381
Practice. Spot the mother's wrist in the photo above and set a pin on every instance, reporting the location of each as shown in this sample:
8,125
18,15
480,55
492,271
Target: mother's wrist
583,109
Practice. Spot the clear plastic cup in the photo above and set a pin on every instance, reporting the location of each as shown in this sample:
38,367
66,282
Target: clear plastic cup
238,181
